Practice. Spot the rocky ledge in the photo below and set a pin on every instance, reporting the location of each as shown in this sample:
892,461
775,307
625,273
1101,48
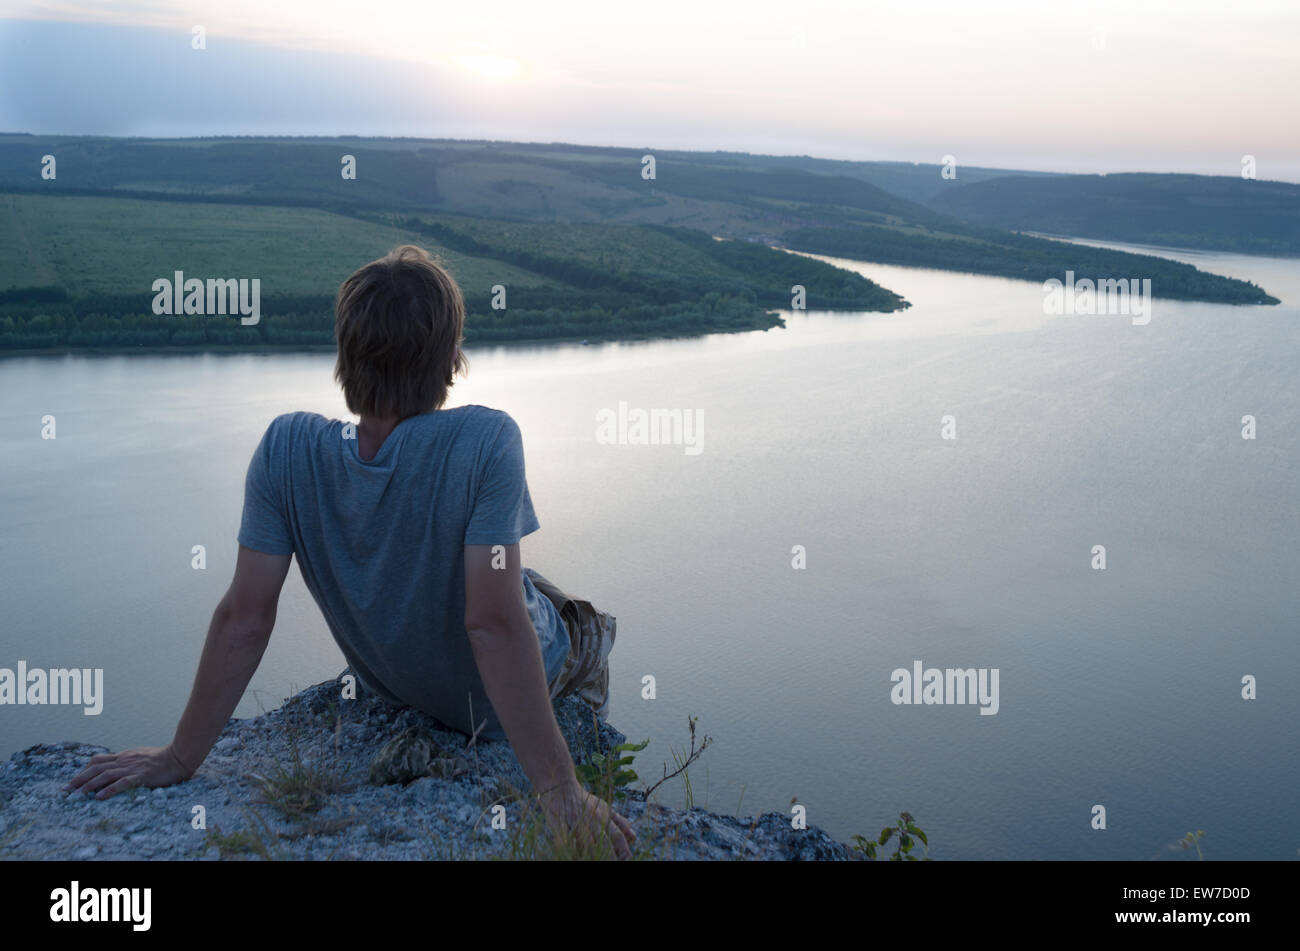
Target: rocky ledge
325,778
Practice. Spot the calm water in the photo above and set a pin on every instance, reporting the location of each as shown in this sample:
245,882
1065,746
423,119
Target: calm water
1119,687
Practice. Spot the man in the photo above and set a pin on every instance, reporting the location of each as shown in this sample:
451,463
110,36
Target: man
407,532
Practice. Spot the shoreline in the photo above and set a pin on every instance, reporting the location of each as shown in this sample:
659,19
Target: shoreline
239,350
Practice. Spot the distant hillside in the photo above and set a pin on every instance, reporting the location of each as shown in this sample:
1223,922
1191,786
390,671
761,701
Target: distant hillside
915,181
587,245
305,169
718,193
1187,211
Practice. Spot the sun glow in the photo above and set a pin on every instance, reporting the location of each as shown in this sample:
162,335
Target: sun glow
496,68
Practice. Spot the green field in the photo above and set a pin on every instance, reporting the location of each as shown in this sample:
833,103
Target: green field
118,246
78,271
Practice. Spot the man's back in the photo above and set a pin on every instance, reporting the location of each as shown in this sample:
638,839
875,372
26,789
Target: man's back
411,550
380,544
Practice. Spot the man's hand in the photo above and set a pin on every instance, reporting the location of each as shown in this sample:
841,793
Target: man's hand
573,814
111,773
509,660
237,637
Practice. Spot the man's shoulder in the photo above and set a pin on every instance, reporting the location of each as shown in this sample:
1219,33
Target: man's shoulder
478,411
483,421
293,424
288,429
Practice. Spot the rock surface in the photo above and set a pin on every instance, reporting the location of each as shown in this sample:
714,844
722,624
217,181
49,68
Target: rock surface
325,778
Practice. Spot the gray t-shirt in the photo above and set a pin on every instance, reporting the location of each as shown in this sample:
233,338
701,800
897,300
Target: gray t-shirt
381,544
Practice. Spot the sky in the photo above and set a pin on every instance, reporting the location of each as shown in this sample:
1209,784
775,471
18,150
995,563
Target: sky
1061,85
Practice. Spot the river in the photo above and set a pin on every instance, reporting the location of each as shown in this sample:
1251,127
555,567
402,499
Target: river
1119,687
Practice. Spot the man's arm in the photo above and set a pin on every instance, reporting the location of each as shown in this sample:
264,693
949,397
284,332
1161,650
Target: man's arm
509,660
237,637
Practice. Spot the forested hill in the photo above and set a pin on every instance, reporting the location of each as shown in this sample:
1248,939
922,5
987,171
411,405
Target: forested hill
77,271
619,242
1184,211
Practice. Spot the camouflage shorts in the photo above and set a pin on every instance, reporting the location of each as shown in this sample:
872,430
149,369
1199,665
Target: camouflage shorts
591,637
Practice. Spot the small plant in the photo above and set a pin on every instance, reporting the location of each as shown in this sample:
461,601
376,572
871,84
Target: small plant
297,791
300,789
906,831
257,838
241,842
608,774
1193,840
532,839
11,835
683,761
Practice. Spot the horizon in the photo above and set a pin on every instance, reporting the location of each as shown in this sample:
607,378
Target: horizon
592,145
1013,87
